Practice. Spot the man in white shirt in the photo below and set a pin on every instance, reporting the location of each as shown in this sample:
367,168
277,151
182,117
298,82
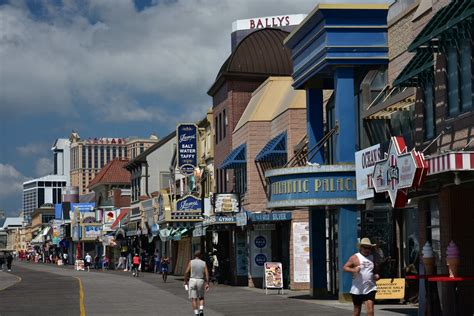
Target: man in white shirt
88,261
362,266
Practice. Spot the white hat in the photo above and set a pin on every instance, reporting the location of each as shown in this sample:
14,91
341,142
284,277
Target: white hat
365,242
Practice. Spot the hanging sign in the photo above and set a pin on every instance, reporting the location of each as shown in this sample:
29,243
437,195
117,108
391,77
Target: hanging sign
187,148
365,161
401,170
226,203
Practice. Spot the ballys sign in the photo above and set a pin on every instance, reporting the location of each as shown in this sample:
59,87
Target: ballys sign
400,171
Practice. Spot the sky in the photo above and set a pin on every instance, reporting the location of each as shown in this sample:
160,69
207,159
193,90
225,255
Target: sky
107,68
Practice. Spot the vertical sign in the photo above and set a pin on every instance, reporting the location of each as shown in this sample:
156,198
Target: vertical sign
301,252
187,148
365,161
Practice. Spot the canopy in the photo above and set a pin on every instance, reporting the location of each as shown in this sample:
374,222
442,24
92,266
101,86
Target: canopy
275,148
413,71
236,158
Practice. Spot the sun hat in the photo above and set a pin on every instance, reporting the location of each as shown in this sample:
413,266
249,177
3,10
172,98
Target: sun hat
365,242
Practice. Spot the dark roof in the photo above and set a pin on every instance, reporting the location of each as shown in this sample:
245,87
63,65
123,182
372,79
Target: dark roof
142,157
112,173
259,55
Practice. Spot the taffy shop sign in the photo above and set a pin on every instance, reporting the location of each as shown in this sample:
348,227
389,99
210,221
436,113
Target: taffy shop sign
187,148
401,170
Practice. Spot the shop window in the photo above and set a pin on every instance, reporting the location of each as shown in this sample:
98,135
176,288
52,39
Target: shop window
428,110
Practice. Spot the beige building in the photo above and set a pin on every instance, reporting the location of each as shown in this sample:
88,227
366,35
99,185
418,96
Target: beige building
90,155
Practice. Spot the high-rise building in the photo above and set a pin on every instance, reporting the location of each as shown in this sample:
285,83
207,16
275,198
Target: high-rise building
40,191
61,159
90,155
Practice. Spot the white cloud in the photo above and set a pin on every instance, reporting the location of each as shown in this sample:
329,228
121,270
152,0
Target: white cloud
171,52
44,166
33,149
11,181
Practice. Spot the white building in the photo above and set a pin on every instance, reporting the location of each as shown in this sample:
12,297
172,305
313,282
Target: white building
42,190
62,161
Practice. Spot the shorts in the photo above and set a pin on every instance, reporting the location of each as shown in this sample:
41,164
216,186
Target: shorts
358,299
87,264
164,269
196,288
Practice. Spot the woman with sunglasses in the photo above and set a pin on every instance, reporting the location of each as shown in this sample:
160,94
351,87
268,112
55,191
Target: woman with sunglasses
362,266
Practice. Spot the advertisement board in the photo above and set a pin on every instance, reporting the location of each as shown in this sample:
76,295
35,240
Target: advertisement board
301,268
389,289
187,148
226,203
92,231
260,252
365,161
273,275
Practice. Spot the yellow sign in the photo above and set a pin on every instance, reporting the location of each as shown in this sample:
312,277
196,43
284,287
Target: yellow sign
388,289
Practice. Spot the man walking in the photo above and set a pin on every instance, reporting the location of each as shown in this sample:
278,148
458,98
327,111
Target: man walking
362,267
88,262
9,261
197,278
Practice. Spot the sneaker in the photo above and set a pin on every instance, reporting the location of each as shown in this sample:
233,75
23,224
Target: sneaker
9,270
201,313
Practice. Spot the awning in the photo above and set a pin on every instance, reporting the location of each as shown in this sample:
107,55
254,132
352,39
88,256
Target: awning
275,148
415,69
443,20
399,99
46,231
236,158
39,239
123,212
453,161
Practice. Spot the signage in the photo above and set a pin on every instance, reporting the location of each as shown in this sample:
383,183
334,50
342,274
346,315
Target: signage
273,275
264,227
365,161
270,217
260,242
189,203
92,232
389,289
187,148
109,216
57,233
226,203
401,170
211,220
312,186
155,229
83,207
260,251
269,21
199,230
241,219
301,268
260,259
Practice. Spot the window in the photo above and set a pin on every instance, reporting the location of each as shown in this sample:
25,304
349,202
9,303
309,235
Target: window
142,148
225,124
215,130
428,110
453,80
102,154
465,57
83,157
219,121
241,179
114,152
89,157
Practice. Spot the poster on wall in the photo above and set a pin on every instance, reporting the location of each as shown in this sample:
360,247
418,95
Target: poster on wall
301,268
273,275
260,252
241,249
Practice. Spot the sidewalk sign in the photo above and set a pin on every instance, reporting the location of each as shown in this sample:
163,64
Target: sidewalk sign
273,276
79,265
389,289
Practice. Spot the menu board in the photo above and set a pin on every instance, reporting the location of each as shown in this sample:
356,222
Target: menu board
273,275
301,268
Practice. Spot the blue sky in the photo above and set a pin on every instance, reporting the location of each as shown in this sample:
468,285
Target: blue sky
107,68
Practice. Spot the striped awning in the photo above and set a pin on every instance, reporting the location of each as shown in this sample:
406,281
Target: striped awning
453,161
236,158
275,148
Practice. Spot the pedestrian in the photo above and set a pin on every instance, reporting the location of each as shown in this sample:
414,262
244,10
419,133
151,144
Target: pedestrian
96,262
196,278
165,261
362,267
88,261
121,263
136,265
105,263
2,260
157,262
9,261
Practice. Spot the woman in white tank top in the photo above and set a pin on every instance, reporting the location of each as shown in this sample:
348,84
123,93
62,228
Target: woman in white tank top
362,267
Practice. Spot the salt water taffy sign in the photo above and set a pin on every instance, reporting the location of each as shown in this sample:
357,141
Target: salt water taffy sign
401,170
314,185
187,148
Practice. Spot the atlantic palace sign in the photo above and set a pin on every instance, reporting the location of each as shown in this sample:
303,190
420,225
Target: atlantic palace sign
312,186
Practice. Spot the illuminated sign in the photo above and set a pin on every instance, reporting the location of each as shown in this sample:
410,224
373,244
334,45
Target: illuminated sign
312,186
187,148
401,170
226,203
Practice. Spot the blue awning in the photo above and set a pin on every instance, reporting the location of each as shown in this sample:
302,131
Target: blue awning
275,148
236,158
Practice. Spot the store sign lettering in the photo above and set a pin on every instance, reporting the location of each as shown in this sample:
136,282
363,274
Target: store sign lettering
277,21
320,185
187,148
